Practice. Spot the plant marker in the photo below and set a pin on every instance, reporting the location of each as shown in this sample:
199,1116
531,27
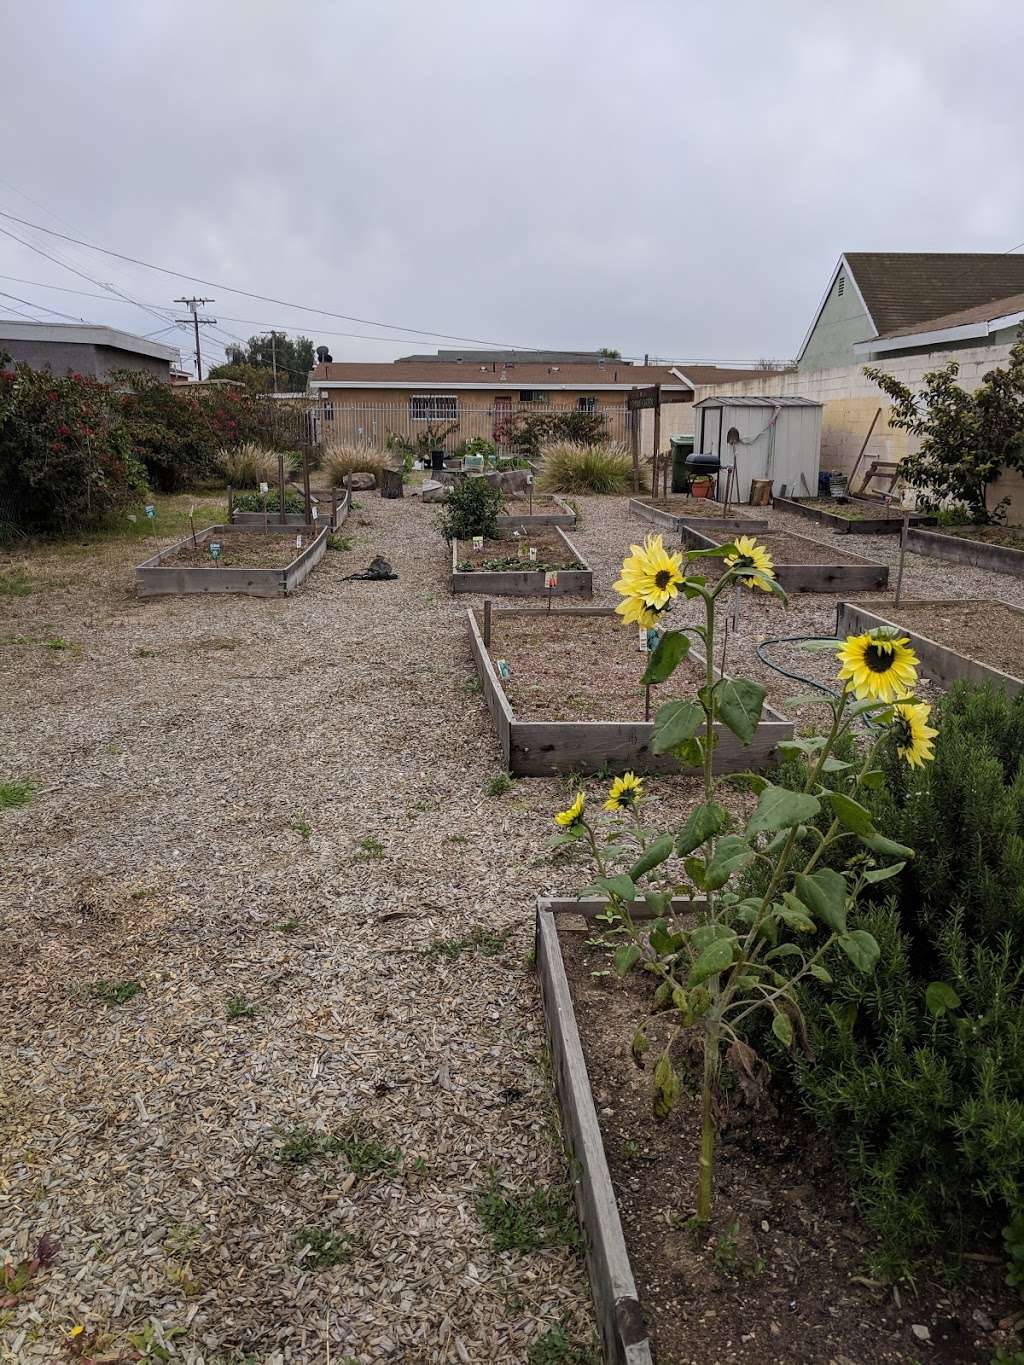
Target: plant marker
904,530
502,666
298,542
150,511
550,582
264,488
645,640
533,554
315,513
478,542
215,552
529,484
192,523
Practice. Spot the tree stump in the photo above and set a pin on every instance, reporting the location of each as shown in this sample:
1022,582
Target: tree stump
391,482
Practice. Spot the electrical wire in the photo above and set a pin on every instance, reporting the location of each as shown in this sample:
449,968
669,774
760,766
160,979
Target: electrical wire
30,304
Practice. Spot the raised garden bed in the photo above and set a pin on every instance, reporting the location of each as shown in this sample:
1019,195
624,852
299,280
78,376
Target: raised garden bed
494,569
673,513
252,562
548,510
856,516
803,565
997,548
295,520
780,1274
572,703
992,631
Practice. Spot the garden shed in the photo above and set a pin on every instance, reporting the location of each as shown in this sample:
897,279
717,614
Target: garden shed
766,438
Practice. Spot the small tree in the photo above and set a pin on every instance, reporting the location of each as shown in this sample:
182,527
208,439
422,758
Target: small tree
967,440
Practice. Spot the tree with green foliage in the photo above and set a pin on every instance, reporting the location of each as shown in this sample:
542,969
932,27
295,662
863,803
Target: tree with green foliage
294,359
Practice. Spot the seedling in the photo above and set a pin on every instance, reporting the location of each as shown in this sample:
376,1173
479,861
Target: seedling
533,1220
484,941
555,1347
114,992
145,653
15,794
356,1141
151,1341
301,825
499,784
326,1249
239,1008
726,1253
286,926
370,849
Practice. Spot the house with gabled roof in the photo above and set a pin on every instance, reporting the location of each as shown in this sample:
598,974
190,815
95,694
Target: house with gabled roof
884,303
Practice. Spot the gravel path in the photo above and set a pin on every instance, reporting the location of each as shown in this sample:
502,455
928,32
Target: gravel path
279,807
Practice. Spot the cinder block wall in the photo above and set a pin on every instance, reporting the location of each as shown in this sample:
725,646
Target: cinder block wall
850,400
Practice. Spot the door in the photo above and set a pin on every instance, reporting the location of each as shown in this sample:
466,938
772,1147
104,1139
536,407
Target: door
502,410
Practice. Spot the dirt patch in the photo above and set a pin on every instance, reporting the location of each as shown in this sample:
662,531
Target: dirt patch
511,552
989,632
240,550
789,549
855,509
579,668
780,1275
1012,537
681,505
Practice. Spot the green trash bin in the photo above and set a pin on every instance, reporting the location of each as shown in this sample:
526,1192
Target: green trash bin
682,449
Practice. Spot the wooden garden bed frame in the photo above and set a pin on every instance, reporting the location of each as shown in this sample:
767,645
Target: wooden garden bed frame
959,550
293,521
619,1313
939,662
156,577
672,522
861,576
865,526
524,582
565,518
537,748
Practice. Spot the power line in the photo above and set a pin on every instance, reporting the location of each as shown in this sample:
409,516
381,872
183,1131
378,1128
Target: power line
29,303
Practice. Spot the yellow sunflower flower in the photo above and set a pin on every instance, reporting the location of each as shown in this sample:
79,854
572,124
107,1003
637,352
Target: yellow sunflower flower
650,572
625,792
913,733
750,555
635,611
879,666
573,816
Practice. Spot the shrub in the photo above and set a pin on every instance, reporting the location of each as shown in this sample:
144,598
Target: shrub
477,445
247,465
254,502
472,510
528,431
340,460
570,467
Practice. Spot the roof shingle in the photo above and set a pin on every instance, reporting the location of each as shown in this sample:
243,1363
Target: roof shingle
903,289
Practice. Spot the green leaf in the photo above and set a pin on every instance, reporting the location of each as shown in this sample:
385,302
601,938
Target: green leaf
732,854
703,823
888,848
664,943
666,1088
824,893
939,998
873,779
752,781
620,886
625,958
784,950
697,872
882,874
861,948
672,648
716,552
739,702
674,724
778,808
767,581
818,646
658,902
715,958
851,813
782,1029
652,855
712,933
816,969
640,1043
794,914
835,765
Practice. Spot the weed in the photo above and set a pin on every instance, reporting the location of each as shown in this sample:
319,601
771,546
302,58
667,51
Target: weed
370,850
239,1008
15,583
418,1166
151,1341
479,939
301,825
114,992
555,1347
726,1253
457,839
286,926
61,646
472,687
326,1249
336,542
15,794
532,1221
141,653
499,784
356,1141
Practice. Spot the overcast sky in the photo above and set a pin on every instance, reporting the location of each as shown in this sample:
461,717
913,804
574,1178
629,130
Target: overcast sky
664,177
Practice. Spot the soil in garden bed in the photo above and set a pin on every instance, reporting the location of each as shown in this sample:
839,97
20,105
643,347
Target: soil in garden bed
857,509
991,633
1011,537
679,504
787,549
781,1274
242,550
502,554
579,668
519,504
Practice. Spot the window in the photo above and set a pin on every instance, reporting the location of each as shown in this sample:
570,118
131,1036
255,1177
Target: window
433,407
587,403
841,286
535,396
327,411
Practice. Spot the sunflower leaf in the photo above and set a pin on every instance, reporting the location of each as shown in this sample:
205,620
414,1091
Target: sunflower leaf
888,848
882,874
765,580
675,723
715,958
672,648
851,813
703,823
862,950
824,893
778,808
653,855
716,552
739,703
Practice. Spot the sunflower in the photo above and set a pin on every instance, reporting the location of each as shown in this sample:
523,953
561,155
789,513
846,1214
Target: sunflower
913,733
625,792
635,611
652,573
750,555
573,816
880,665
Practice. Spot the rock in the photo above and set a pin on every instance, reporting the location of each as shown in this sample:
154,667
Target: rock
432,491
362,482
920,1331
491,476
513,481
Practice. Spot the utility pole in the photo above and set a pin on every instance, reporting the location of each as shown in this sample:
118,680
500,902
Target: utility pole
273,355
193,307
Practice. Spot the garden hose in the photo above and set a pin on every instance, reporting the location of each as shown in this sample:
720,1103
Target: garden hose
800,677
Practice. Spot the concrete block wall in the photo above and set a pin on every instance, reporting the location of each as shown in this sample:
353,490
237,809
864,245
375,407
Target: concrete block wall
850,400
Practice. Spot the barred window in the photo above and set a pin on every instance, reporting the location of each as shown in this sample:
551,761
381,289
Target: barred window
433,407
587,403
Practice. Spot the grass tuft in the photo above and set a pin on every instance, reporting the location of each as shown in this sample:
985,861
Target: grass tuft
499,784
356,1141
326,1249
534,1220
556,1347
570,467
114,992
13,795
480,940
238,1007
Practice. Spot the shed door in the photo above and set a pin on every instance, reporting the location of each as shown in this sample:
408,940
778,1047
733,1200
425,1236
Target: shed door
710,432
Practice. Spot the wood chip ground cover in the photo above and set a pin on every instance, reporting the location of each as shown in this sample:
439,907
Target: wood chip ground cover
285,801
243,550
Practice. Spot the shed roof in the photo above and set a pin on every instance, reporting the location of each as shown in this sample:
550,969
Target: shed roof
756,401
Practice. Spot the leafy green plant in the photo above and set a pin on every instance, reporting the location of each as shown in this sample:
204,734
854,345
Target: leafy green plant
529,1220
499,784
301,825
572,467
472,510
556,1347
370,849
326,1249
356,1141
238,1007
527,432
271,502
114,992
13,795
487,942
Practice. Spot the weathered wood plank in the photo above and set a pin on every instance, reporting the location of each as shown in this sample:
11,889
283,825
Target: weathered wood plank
865,525
155,578
623,1335
859,576
674,522
565,518
939,662
493,692
958,550
525,582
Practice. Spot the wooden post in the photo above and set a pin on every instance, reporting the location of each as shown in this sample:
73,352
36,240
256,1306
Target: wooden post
903,550
305,486
647,702
334,509
487,623
634,442
280,489
867,438
657,432
231,503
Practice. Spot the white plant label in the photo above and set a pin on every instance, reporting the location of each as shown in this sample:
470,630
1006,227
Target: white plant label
529,480
150,510
645,644
478,542
298,542
315,513
551,580
502,666
533,554
132,516
264,488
